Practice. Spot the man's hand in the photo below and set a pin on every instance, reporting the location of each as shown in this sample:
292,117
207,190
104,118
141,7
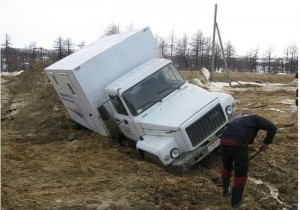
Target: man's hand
264,147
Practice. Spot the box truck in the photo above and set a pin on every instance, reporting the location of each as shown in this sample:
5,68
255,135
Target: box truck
119,86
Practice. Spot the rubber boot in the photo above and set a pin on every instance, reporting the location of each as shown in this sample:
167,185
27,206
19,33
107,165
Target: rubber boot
236,197
225,184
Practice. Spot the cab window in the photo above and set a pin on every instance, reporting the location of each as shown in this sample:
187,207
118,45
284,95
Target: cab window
118,105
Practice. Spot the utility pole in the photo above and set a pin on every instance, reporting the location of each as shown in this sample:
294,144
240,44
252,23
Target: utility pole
213,51
223,55
213,46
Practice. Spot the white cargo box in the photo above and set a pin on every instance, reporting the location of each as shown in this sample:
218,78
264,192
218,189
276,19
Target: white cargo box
80,78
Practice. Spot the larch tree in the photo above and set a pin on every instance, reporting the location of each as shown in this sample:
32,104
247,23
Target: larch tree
59,45
112,29
81,45
269,58
182,51
163,46
69,46
229,54
172,44
6,54
197,48
32,52
293,60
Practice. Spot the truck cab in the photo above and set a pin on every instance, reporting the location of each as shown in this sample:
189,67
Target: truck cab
178,122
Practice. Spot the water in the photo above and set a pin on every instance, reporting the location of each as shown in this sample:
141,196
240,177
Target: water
274,192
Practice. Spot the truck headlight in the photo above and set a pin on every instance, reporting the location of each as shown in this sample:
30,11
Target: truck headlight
175,152
229,109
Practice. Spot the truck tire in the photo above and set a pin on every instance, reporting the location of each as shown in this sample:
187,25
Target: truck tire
125,142
141,154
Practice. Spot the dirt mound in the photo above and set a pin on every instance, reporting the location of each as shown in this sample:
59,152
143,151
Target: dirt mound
48,162
31,102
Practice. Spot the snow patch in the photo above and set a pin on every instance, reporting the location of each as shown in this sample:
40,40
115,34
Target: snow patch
15,73
277,110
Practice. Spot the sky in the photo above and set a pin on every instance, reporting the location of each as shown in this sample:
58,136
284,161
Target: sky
247,24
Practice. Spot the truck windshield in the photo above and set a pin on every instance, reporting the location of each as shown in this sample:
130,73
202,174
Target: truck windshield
152,89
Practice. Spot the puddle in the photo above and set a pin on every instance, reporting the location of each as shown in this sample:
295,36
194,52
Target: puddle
274,192
277,110
288,101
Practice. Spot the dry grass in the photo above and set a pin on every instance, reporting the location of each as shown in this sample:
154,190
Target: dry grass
247,77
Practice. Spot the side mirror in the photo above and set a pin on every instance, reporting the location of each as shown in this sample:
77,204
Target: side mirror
103,113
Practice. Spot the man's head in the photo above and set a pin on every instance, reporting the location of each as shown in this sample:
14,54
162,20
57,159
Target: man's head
240,114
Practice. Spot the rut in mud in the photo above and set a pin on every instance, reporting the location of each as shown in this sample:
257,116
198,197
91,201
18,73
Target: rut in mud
49,162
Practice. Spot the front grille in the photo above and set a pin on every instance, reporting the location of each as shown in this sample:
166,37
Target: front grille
206,125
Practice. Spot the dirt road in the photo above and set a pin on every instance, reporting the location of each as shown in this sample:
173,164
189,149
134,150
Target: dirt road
50,163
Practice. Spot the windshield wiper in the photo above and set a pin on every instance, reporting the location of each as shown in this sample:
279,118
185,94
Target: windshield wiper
150,102
168,88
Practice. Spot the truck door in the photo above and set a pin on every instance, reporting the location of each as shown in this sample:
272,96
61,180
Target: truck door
72,102
122,118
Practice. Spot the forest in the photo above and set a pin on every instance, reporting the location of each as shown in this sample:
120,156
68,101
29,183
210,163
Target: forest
194,52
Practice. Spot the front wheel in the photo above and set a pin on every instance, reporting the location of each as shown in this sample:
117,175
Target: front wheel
125,142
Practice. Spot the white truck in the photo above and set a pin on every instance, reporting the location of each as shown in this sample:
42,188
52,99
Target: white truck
119,85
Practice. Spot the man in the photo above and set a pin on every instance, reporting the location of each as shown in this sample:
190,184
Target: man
235,138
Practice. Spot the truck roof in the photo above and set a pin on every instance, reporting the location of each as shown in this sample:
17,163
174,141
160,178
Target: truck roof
136,75
79,57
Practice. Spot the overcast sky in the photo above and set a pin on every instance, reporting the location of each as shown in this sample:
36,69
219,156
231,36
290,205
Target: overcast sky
247,24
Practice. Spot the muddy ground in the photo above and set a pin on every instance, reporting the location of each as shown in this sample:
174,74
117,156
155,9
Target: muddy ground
48,162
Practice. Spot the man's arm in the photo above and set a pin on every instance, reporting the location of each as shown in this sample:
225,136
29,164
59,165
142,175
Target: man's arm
267,125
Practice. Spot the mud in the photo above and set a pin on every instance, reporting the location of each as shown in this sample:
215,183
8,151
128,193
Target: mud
49,162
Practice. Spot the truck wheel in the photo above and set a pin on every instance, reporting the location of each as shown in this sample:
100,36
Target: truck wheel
177,170
125,142
141,154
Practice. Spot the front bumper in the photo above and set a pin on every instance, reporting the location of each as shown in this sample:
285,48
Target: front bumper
187,160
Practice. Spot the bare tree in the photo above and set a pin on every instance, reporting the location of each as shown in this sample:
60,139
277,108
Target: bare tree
269,58
219,64
172,44
197,48
81,45
162,46
252,60
293,61
6,54
69,46
286,59
25,59
182,52
59,45
229,54
130,27
207,50
32,52
112,29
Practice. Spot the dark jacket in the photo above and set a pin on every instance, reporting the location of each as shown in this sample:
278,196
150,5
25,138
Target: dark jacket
244,129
